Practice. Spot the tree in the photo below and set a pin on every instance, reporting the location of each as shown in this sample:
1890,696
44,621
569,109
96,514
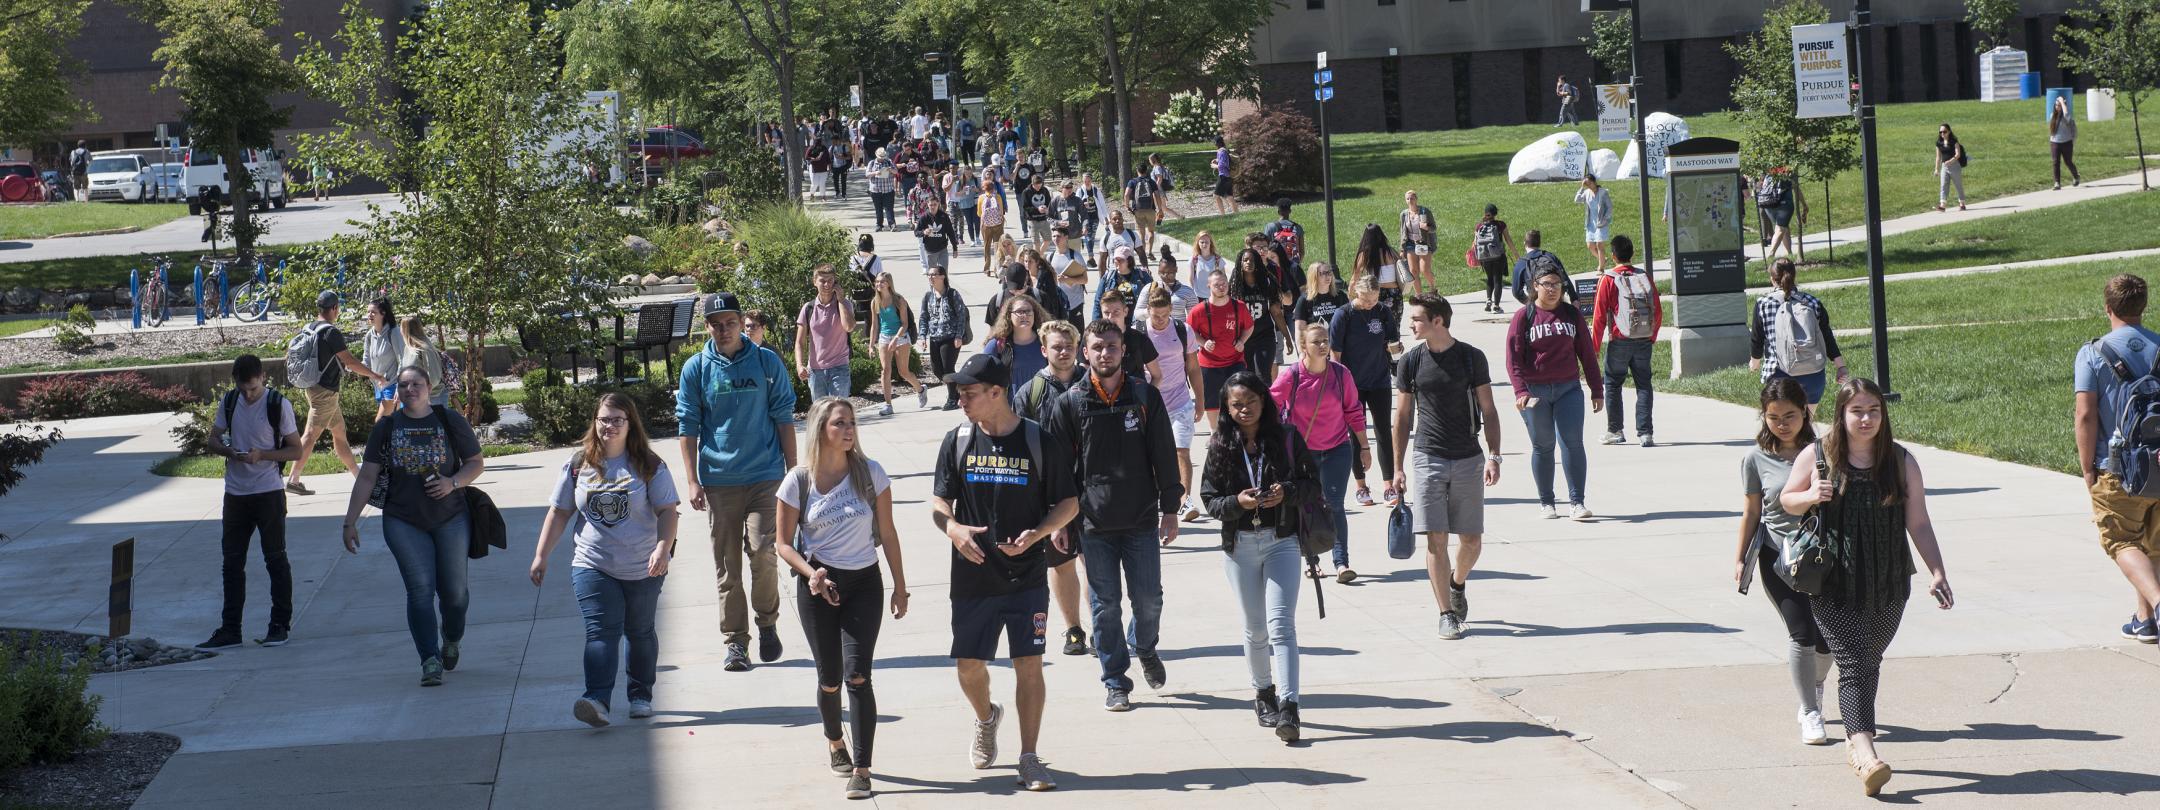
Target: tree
1188,118
500,224
220,56
1990,21
1766,103
36,73
1612,42
772,35
2120,48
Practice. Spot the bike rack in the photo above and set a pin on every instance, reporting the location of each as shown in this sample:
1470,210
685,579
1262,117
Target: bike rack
198,295
135,295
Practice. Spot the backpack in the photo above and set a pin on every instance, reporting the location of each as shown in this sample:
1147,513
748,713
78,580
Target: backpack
964,436
1535,265
1799,344
1169,179
453,374
1032,394
1633,307
303,369
1144,190
1285,235
1768,191
2133,453
1487,244
270,411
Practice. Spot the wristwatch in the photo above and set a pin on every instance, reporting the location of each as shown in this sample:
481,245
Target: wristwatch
1493,457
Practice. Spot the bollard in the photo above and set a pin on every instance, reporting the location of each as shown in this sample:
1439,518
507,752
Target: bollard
120,598
135,296
198,295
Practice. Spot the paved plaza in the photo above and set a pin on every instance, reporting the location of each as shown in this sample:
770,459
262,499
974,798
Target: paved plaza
1607,664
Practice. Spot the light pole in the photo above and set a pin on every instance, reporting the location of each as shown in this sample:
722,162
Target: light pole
1635,103
1862,22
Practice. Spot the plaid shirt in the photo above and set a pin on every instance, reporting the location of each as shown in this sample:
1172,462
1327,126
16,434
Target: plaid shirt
880,173
1762,328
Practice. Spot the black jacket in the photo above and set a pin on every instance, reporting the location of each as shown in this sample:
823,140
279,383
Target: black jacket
1223,475
1124,458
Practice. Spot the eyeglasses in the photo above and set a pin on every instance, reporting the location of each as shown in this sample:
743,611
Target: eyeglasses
1546,285
613,421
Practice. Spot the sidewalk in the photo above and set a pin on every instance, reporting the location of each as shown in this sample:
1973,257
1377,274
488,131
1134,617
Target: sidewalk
1607,664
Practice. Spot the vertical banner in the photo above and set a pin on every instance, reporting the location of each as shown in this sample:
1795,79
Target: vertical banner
120,596
1822,77
937,87
1613,116
854,96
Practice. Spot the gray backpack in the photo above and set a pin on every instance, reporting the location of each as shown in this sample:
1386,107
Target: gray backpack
303,368
1800,344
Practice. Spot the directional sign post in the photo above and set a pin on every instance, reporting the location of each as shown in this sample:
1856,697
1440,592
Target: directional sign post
1323,92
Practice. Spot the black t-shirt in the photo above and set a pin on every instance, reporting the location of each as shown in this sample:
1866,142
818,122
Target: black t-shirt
1256,298
1443,385
1321,309
1022,174
1087,203
1067,212
1034,203
408,449
1139,351
995,481
934,229
1362,337
327,346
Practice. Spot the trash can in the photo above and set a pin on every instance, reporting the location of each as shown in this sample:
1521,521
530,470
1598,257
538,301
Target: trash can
2047,111
2099,104
2028,85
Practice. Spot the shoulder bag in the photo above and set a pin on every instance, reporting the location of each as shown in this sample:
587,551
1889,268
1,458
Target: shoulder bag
1807,558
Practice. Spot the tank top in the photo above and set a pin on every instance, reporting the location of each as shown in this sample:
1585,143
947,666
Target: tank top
1874,567
888,322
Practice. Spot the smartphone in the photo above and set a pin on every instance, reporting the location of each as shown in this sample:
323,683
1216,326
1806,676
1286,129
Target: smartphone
1940,599
1532,403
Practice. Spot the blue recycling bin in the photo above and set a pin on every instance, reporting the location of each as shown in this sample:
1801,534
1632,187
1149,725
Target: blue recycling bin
2047,110
2028,85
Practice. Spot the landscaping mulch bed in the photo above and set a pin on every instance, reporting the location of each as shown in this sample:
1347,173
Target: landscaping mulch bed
112,656
108,777
149,344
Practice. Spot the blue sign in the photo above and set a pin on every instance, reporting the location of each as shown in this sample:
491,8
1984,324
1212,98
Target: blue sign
1322,77
1323,93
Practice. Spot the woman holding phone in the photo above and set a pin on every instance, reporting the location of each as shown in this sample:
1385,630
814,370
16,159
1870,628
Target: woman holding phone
1417,240
834,517
1255,477
1872,499
1766,528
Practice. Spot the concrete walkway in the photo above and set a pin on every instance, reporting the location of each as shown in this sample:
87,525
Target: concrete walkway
1608,663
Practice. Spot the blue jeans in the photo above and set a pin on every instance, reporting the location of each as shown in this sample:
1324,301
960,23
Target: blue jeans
1624,358
432,562
1810,384
1263,572
615,608
1335,466
1558,414
829,382
881,203
1139,554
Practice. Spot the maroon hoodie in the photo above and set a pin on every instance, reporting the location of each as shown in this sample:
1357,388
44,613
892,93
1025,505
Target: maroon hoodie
1547,347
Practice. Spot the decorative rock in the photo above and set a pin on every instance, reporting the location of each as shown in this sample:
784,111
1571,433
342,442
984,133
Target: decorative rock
627,280
21,296
1665,129
650,280
641,246
52,301
1559,156
1604,163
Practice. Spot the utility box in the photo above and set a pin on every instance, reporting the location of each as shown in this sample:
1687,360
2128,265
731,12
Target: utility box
1999,72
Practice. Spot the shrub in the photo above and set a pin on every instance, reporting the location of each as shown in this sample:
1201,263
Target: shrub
1188,118
490,410
76,396
45,714
22,446
72,334
1277,152
785,243
538,378
749,177
560,413
193,432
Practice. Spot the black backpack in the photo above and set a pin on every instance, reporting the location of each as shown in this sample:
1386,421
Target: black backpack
1487,244
1417,357
270,412
1768,191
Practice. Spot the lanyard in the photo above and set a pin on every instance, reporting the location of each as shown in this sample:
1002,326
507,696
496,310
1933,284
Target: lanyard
1255,466
1107,397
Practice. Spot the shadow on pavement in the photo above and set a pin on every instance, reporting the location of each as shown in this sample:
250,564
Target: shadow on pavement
785,716
1993,731
1469,731
2032,783
1494,628
1189,780
1685,514
1238,651
1420,575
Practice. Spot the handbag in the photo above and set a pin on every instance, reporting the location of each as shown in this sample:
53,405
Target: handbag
1316,533
1807,558
1401,541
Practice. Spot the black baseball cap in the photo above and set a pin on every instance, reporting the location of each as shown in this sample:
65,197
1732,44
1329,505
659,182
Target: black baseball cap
327,299
719,302
985,369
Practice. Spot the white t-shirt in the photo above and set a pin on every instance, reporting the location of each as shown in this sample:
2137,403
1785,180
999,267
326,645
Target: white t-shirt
1203,265
251,430
919,127
619,514
838,530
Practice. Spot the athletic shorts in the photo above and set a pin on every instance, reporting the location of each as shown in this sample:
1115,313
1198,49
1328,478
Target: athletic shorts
1144,219
1222,185
1022,618
323,411
1212,379
1181,427
1447,495
2125,521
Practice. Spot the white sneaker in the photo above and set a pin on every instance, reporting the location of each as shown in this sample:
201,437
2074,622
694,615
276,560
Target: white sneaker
1647,441
1811,729
1578,512
1615,438
922,400
885,410
1551,512
590,712
640,709
984,750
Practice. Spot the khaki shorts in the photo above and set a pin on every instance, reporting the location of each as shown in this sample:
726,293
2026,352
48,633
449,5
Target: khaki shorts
323,411
2125,521
1143,219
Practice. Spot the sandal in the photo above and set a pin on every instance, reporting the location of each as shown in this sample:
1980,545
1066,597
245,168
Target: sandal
1873,775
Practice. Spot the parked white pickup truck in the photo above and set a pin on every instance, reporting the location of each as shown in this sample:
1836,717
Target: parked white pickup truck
206,169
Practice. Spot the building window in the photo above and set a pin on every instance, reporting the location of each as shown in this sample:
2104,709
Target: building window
1387,2
1673,71
1459,69
1391,92
1312,5
1931,88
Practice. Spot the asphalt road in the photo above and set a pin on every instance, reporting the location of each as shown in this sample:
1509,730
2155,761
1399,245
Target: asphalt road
301,221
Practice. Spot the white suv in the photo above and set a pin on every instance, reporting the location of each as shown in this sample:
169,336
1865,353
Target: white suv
207,169
118,176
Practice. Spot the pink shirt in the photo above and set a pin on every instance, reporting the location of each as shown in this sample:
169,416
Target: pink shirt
828,337
1323,407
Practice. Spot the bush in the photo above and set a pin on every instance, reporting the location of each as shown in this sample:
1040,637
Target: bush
77,396
193,433
1277,152
45,715
72,334
490,410
22,446
539,378
749,177
785,242
1188,118
560,413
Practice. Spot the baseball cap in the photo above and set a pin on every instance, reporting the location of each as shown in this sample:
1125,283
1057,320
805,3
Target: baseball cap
327,299
985,369
719,302
1123,252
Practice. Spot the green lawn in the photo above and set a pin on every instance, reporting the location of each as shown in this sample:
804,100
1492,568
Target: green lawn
1457,172
2028,296
21,325
101,271
34,221
2123,222
321,463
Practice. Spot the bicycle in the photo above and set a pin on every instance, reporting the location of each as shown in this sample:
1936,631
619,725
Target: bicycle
156,309
255,299
213,288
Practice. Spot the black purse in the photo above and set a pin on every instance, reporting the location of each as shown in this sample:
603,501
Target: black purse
1807,558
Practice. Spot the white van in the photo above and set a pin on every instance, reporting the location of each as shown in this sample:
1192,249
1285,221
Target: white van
205,168
118,176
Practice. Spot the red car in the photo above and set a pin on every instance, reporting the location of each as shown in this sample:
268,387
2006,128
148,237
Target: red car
662,143
19,183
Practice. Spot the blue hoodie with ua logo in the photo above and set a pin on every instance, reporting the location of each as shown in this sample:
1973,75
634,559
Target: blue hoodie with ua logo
735,406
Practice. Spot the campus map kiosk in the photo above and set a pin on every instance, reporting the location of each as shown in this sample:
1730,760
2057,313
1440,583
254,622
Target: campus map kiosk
1706,197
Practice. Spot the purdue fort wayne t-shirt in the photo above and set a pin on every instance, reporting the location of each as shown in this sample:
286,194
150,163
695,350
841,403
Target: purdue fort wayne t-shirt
994,481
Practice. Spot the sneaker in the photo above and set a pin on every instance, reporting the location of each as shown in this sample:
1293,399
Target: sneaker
1344,575
1118,700
768,643
590,712
449,655
1549,511
1578,512
1450,626
1192,514
984,750
842,764
298,488
885,409
1033,776
1615,437
2147,631
1460,596
951,406
738,658
431,672
640,709
1647,441
922,397
1811,728
858,786
1364,497
1287,728
1151,668
1075,641
221,638
274,638
1264,706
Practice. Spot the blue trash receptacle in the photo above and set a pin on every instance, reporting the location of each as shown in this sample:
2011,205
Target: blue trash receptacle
2028,85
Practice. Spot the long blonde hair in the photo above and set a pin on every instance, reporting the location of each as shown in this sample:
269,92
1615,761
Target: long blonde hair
858,465
637,447
415,332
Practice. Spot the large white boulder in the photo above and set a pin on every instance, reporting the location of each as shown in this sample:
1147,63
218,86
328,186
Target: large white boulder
1665,129
1604,163
1559,156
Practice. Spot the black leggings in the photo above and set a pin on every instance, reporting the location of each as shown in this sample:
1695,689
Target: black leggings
1858,637
942,355
1791,605
2065,152
843,639
1379,413
1495,278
